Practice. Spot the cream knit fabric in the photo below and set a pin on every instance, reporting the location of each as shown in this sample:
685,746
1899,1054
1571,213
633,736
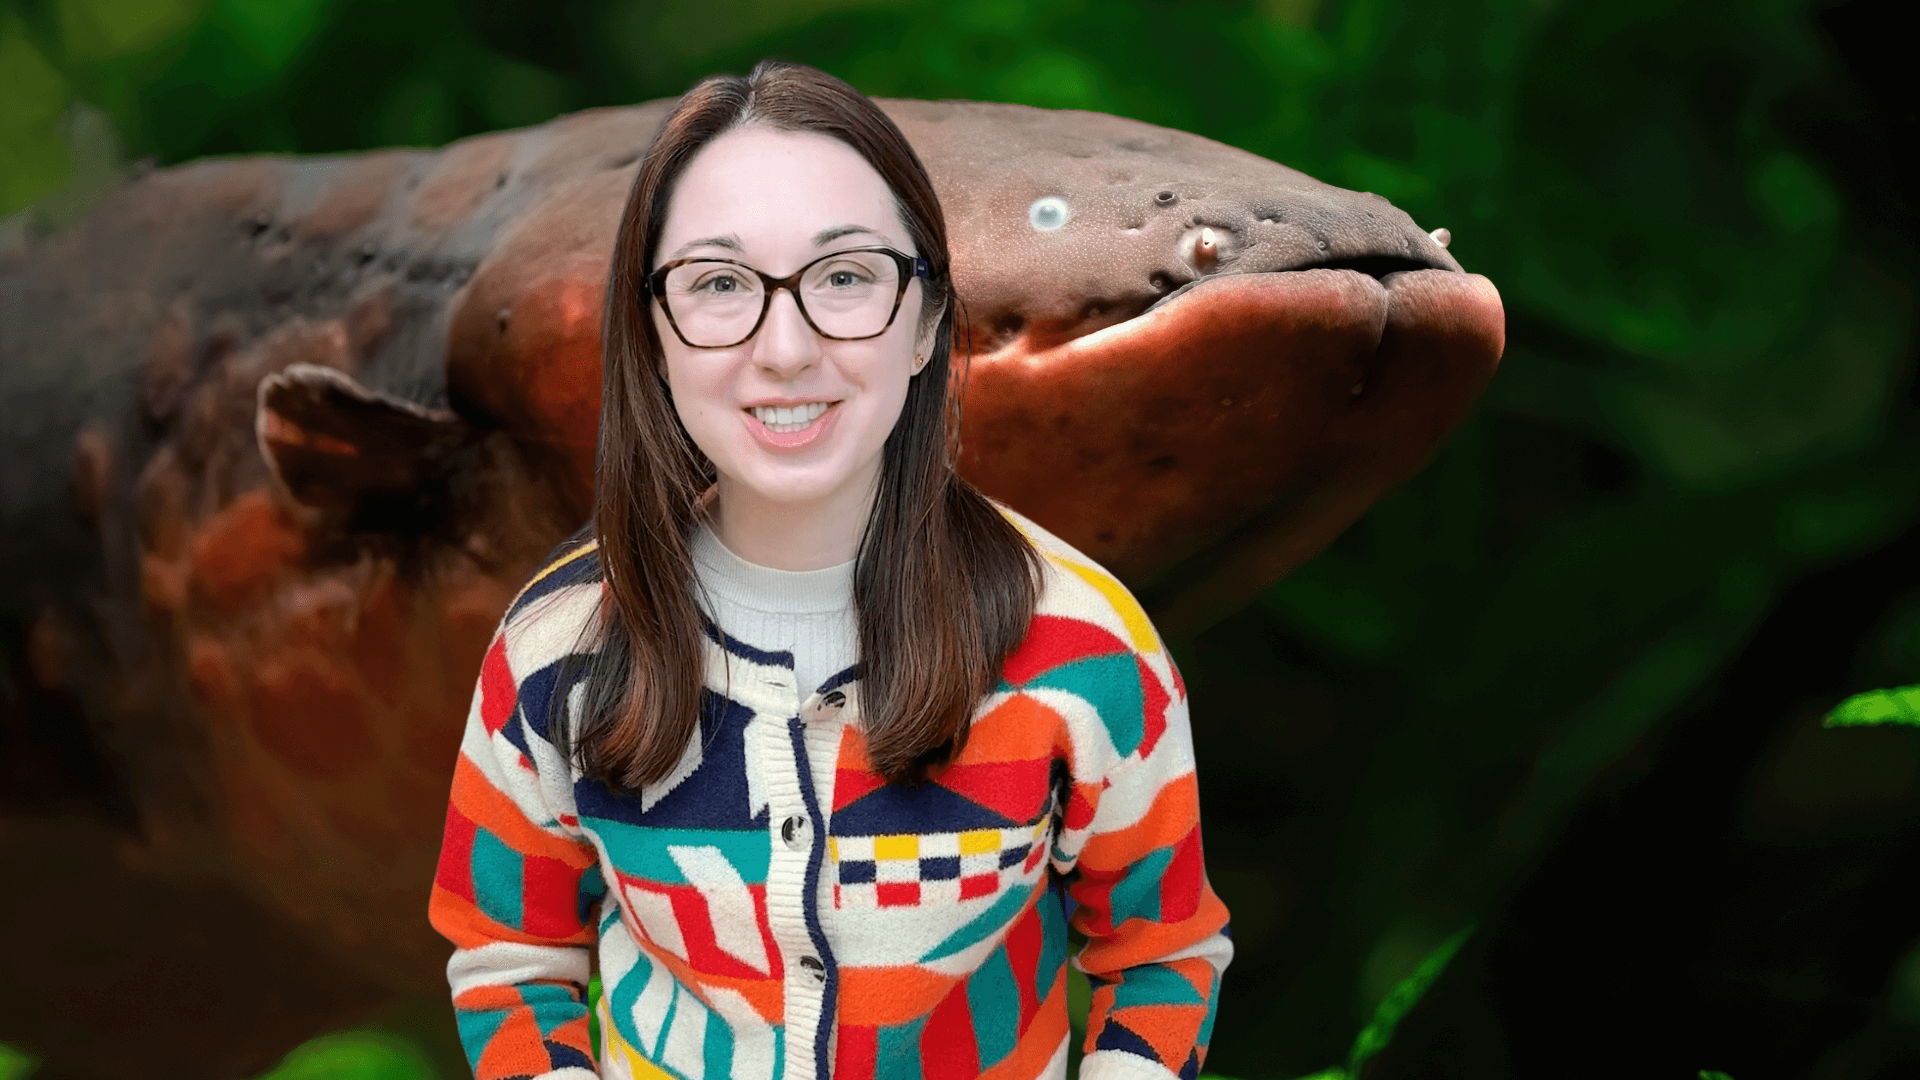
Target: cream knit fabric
809,612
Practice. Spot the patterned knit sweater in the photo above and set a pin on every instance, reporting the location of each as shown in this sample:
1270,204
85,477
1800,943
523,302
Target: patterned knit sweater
774,909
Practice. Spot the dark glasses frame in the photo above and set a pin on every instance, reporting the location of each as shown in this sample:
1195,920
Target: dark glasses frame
654,286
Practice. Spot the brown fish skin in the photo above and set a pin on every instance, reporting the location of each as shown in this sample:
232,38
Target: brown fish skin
284,436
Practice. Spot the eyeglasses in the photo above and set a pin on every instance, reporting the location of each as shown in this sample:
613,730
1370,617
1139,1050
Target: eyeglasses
846,296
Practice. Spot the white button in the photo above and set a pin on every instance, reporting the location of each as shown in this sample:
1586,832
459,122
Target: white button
813,964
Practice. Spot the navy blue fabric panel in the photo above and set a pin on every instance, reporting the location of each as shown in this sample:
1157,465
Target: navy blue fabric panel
561,1056
928,808
543,696
713,796
840,679
584,569
1115,1036
830,1003
940,869
745,651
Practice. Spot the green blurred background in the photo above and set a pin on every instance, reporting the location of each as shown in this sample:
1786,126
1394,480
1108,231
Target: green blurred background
1563,690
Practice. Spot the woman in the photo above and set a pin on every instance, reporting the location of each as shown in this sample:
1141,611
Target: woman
815,750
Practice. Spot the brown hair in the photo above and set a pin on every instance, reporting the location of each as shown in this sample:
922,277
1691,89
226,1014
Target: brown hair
944,586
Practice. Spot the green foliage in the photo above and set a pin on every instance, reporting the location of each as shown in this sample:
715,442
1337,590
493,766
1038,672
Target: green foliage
355,1055
593,1015
1709,1074
1396,1004
1900,705
1403,997
14,1064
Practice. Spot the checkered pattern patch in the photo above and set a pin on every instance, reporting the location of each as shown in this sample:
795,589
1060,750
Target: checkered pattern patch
934,868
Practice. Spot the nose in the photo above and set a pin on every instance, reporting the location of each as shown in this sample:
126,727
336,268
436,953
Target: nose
786,346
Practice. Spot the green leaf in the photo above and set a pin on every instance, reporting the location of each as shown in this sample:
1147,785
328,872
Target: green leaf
1710,1074
15,1064
1900,705
593,1015
355,1055
1399,1001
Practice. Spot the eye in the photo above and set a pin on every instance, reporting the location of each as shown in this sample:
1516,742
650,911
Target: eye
846,277
719,282
1047,214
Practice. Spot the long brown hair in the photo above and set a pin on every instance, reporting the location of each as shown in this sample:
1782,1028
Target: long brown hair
943,587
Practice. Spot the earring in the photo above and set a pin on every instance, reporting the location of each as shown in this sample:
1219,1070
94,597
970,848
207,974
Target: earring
918,363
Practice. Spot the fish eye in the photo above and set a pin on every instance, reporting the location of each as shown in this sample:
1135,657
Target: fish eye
1048,213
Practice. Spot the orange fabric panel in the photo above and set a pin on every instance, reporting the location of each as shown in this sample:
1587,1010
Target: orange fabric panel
1174,814
516,1049
496,812
889,996
1172,1030
1020,728
1138,941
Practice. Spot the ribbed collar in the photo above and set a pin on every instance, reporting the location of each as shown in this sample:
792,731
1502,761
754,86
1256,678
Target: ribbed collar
762,588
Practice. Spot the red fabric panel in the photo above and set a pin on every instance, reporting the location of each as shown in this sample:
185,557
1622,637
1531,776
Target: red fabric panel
947,1050
1053,640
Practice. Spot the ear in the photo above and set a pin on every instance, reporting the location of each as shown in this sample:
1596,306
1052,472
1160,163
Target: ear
927,333
372,460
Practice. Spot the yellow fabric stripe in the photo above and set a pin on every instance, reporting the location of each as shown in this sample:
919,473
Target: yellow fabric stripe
896,847
616,1048
1139,627
582,551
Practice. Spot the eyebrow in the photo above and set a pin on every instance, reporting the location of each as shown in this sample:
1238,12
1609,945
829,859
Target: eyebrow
828,236
732,243
729,241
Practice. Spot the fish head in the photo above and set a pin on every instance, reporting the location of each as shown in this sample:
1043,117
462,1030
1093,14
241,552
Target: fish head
1195,364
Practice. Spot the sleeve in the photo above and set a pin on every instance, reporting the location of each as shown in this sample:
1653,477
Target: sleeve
1157,938
517,890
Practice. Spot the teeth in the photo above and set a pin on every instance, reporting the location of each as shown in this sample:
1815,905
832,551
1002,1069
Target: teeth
786,419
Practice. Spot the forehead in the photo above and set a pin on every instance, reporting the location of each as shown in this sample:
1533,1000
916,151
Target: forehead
775,189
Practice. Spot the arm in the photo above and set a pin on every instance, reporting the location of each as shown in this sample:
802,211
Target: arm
1156,933
516,892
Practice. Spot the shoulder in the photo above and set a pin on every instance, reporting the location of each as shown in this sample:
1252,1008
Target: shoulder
1091,641
556,613
1074,587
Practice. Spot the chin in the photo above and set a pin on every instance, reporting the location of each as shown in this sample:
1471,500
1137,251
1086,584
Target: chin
794,488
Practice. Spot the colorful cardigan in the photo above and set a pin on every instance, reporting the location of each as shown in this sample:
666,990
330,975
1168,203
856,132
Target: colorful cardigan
773,909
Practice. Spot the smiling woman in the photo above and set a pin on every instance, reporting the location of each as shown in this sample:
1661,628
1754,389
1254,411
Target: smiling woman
817,751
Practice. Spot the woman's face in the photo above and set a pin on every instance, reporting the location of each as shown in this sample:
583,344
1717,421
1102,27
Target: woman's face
776,201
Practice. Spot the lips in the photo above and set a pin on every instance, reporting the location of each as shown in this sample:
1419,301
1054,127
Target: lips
790,427
1243,423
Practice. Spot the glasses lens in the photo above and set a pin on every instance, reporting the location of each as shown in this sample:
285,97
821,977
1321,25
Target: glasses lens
851,294
713,303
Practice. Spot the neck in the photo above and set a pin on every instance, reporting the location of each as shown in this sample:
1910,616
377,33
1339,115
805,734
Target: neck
793,535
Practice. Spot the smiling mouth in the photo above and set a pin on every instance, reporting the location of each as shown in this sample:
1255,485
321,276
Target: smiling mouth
786,420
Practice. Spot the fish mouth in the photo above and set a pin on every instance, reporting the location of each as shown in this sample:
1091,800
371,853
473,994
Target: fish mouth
1378,267
1244,420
